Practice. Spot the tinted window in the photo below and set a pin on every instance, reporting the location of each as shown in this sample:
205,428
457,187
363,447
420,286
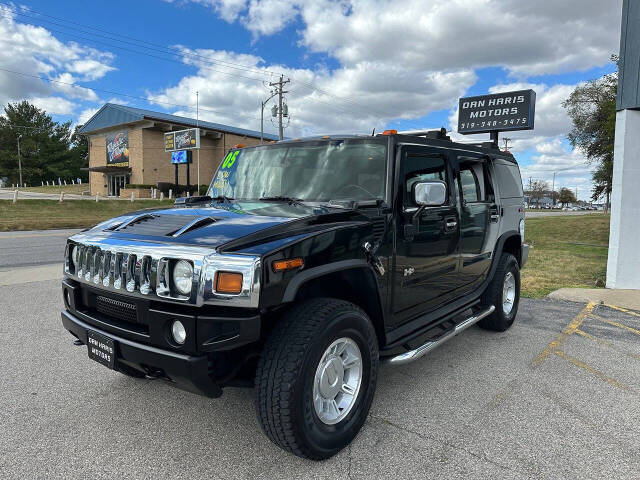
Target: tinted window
417,168
470,185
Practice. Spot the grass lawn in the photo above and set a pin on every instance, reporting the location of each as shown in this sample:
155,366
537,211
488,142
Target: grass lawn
567,251
77,189
45,214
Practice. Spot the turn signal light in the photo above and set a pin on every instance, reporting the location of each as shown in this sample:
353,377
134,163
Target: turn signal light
390,132
282,265
228,282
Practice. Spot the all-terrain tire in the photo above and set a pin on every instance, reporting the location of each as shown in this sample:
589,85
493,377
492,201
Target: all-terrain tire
286,373
500,320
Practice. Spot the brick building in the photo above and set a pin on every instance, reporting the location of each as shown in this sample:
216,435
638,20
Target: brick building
126,146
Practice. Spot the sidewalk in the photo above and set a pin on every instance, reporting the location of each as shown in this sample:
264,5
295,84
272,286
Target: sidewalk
620,298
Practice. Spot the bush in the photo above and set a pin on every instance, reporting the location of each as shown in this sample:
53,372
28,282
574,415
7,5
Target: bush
139,185
164,187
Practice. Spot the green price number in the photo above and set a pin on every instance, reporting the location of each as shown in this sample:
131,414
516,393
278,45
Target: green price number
230,159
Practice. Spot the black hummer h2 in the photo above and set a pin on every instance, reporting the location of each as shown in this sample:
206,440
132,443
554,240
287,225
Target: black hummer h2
307,264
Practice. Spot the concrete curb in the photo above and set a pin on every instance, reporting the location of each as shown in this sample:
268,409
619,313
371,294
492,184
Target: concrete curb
620,298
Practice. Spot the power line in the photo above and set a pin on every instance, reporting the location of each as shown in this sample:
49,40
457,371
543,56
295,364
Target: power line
181,55
113,92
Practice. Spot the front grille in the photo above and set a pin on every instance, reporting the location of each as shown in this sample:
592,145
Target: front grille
116,309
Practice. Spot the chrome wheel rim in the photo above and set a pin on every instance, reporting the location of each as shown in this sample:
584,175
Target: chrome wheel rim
508,293
337,381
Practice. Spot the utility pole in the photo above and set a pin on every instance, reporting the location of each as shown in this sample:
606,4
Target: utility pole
553,190
19,160
273,94
198,126
279,88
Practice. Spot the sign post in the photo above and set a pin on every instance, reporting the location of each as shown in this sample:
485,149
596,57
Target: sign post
499,112
180,144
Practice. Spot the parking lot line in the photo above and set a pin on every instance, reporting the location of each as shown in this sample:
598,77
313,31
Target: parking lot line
617,324
606,343
625,310
593,371
568,330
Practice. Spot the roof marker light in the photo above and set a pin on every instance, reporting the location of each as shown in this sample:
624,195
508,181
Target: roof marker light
390,132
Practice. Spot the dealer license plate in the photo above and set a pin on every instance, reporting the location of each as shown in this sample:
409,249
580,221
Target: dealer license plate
101,349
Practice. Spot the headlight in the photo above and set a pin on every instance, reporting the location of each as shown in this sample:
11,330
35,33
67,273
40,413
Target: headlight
75,251
521,229
183,277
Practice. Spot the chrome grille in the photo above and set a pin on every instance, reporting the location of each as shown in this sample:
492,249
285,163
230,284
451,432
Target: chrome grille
143,269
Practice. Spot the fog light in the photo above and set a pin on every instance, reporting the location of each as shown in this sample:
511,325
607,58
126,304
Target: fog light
178,332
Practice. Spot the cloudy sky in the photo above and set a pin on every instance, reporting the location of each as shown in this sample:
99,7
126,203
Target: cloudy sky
353,65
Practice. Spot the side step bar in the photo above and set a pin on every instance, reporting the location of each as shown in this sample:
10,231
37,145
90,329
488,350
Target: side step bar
427,347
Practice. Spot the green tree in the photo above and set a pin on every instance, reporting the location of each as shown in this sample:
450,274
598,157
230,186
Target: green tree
592,109
566,196
48,150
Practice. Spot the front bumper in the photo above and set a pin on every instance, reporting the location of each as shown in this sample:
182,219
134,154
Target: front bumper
188,372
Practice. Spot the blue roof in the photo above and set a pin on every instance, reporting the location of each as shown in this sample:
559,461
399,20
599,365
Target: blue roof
112,115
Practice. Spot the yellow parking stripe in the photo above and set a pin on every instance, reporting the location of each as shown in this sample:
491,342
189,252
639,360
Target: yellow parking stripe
606,343
616,324
593,371
630,312
569,329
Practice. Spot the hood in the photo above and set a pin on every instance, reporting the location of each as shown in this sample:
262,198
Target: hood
230,226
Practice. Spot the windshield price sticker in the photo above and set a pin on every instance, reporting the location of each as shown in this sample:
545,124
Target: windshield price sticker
221,180
497,112
230,159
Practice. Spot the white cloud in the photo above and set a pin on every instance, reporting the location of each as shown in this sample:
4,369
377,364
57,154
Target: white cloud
53,105
528,38
362,97
34,51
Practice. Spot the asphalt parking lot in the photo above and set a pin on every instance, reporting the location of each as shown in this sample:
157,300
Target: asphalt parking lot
557,396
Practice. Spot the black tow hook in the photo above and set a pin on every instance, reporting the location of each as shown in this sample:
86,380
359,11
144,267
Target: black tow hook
77,342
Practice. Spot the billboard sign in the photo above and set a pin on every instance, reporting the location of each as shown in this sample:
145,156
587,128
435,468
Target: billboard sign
182,140
499,112
180,156
118,149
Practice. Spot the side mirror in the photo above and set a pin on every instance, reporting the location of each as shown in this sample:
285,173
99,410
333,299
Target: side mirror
432,193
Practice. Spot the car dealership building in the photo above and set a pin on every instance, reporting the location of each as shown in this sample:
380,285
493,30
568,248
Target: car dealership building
126,146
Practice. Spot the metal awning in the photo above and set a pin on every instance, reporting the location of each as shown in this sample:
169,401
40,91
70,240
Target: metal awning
108,169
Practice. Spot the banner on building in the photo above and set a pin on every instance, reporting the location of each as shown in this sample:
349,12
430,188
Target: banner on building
118,149
497,113
182,140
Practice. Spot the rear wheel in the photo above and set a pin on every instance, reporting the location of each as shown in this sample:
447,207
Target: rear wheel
504,293
316,377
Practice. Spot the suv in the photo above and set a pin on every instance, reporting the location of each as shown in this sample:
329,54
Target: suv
308,263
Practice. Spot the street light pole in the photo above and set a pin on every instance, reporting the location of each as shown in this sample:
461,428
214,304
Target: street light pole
19,160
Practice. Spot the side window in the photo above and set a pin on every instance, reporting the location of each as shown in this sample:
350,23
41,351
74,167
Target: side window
475,180
417,168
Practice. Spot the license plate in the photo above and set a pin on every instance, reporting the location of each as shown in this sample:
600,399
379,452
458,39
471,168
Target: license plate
101,349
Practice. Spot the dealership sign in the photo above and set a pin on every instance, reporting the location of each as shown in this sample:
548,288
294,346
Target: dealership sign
497,113
118,149
182,140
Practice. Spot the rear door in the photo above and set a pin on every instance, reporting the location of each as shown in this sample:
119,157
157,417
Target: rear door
426,261
479,217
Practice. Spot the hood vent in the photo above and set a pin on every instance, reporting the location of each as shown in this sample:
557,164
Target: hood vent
194,224
154,224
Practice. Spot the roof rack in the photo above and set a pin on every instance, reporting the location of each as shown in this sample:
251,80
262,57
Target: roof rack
440,134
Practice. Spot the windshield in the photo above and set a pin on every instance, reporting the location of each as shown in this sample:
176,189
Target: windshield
318,172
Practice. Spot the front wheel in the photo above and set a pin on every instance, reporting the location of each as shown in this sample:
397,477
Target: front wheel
504,293
316,377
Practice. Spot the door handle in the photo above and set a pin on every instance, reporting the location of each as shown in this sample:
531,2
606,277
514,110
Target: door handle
494,214
450,223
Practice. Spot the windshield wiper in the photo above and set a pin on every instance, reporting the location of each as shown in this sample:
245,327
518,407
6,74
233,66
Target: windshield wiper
281,198
222,198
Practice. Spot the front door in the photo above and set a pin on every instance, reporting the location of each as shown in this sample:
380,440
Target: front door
115,183
426,261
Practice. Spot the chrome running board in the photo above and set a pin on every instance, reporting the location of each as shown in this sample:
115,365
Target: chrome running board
431,345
